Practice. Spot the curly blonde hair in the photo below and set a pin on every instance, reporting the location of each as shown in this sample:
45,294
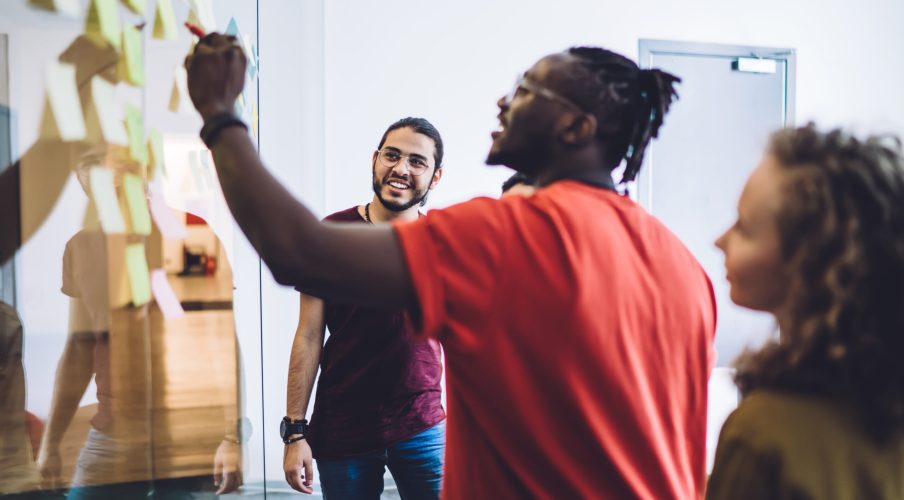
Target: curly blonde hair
842,232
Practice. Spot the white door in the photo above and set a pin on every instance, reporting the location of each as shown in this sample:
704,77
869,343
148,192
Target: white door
731,99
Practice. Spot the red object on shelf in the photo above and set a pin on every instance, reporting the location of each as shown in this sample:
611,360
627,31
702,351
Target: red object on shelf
194,220
211,265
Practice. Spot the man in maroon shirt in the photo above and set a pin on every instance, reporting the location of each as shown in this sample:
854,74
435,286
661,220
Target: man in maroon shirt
378,399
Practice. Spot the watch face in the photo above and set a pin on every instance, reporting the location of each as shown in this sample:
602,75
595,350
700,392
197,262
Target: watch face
282,429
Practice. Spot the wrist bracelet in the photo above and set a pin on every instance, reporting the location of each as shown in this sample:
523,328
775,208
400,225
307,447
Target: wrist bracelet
215,124
294,439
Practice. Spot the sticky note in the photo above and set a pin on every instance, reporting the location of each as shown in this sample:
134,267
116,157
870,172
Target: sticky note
201,14
137,6
240,104
131,64
137,268
67,7
102,23
232,28
65,119
103,115
163,293
133,187
135,127
169,225
103,192
164,21
254,118
179,99
155,155
250,55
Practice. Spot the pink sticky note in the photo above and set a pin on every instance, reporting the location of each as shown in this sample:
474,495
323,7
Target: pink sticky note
166,299
170,226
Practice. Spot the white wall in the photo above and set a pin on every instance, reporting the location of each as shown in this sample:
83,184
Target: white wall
453,60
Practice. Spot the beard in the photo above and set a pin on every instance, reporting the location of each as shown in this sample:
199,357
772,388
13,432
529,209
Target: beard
418,197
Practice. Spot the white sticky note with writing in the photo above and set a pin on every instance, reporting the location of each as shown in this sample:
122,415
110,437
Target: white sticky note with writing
163,293
170,226
62,95
103,192
103,113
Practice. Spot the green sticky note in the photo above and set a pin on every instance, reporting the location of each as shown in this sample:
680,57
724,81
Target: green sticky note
131,64
164,21
102,23
155,155
137,6
135,128
138,204
103,192
139,277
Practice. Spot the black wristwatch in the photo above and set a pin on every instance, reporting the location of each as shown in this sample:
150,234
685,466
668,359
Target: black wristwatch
289,427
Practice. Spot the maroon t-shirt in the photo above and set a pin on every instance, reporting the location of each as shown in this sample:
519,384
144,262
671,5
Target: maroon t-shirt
379,382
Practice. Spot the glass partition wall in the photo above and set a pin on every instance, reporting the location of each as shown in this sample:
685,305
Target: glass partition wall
126,371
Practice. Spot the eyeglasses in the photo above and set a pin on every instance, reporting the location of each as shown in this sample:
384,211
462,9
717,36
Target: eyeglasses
525,85
417,165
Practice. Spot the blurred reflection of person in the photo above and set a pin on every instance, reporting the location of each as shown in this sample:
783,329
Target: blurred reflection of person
159,423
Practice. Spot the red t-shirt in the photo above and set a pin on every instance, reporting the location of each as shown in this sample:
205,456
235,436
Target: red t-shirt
578,335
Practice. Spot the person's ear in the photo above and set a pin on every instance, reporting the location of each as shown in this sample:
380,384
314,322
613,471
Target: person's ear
437,175
577,129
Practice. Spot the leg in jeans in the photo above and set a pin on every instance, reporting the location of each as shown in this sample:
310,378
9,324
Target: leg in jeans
356,478
417,463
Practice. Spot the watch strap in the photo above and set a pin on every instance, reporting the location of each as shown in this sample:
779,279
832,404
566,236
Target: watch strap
216,123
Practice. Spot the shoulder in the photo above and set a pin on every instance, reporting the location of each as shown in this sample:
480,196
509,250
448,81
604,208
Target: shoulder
347,215
775,419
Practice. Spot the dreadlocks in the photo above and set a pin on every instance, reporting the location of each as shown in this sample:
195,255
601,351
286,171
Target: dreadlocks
629,104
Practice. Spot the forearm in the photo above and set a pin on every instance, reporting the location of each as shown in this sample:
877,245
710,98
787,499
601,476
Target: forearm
303,364
72,378
275,223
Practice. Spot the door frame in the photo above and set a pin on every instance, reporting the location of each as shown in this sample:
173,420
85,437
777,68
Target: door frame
647,48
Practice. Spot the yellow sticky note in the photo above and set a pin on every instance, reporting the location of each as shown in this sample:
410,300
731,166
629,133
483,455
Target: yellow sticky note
254,117
131,64
155,155
138,204
180,102
65,119
135,127
102,23
67,7
103,192
102,117
137,6
139,277
164,21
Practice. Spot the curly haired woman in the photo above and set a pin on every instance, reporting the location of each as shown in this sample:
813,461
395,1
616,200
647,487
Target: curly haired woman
819,243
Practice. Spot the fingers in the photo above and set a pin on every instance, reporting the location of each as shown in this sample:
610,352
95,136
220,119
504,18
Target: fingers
230,482
300,479
308,472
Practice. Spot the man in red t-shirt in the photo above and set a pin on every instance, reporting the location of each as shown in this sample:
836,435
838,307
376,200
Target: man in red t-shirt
378,399
577,329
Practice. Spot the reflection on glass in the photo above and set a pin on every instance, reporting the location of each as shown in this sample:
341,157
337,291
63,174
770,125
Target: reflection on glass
127,402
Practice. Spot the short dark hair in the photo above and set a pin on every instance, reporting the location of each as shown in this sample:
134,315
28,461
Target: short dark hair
629,103
842,236
514,180
423,127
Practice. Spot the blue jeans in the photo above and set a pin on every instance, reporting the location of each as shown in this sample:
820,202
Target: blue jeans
416,465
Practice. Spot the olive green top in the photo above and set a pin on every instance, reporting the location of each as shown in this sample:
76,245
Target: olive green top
789,446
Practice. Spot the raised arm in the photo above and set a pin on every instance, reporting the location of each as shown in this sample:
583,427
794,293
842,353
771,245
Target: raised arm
352,262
